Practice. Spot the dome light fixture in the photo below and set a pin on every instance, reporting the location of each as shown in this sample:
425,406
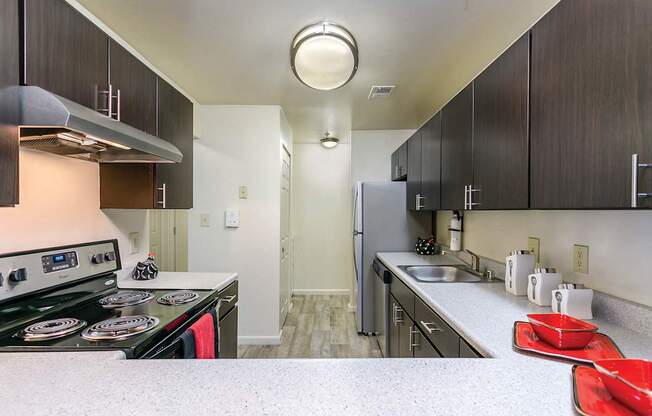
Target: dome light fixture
328,141
324,56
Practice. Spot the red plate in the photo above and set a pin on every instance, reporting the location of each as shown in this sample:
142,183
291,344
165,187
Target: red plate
601,346
591,396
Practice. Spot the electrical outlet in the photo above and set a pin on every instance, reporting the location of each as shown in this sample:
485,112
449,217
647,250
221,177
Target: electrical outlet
581,259
534,245
204,220
244,192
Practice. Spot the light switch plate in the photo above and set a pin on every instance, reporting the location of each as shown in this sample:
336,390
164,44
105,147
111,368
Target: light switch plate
232,218
244,192
204,220
534,245
581,259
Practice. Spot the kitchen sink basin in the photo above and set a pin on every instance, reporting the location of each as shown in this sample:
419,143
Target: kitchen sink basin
443,274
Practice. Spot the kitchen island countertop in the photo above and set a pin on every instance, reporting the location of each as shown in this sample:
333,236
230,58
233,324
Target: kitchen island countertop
509,384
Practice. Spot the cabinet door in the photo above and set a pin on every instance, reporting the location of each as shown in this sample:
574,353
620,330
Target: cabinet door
393,332
424,348
457,148
394,172
137,86
500,136
403,161
64,52
591,100
175,125
405,338
9,75
413,189
431,163
229,335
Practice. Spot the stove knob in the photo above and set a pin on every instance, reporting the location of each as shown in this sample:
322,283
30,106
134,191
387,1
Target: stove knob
97,258
18,275
110,256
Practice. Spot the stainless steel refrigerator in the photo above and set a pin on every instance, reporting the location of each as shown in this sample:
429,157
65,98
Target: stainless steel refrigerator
381,223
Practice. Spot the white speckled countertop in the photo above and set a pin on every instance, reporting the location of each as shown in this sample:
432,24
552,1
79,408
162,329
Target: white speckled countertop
180,280
510,384
484,313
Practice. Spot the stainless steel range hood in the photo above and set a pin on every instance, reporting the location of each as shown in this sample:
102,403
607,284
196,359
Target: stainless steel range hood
55,124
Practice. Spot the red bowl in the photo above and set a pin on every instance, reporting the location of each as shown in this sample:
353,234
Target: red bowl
562,331
629,381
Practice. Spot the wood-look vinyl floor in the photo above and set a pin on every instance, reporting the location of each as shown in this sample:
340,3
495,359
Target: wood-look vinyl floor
318,326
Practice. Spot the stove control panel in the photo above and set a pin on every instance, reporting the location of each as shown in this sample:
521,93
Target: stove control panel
30,271
59,261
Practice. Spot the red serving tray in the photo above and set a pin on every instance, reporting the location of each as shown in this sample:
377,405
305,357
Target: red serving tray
601,346
591,396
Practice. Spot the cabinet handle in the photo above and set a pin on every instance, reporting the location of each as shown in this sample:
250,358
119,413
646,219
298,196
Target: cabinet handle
466,196
229,299
163,190
413,338
635,167
118,104
397,321
418,205
470,199
427,326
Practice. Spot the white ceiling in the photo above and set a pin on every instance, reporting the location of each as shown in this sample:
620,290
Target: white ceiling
237,52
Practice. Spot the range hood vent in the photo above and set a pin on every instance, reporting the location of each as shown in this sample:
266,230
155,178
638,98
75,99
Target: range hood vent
57,125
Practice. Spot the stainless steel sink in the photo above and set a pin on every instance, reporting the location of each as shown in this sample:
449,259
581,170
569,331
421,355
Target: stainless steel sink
443,274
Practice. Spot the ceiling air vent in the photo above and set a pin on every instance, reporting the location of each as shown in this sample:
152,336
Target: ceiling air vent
381,91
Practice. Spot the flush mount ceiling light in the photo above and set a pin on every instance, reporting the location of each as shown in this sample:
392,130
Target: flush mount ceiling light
324,56
328,141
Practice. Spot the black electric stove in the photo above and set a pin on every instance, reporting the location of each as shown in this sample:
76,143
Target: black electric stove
66,299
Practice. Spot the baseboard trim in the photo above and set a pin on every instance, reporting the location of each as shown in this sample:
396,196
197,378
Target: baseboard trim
321,292
267,340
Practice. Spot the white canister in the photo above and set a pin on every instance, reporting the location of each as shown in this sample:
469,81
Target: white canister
541,284
518,266
574,302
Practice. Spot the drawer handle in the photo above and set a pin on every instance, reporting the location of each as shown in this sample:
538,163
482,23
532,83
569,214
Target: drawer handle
431,327
413,338
397,320
229,299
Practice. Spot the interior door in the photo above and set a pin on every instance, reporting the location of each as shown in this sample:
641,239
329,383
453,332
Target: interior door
168,239
286,246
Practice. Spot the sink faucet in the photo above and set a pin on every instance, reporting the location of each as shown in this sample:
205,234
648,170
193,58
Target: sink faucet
475,260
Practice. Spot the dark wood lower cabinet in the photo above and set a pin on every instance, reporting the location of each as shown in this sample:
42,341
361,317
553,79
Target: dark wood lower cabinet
422,347
228,336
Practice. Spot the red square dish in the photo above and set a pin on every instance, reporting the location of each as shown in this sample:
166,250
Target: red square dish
629,381
562,331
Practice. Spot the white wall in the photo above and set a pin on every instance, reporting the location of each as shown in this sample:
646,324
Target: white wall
321,218
371,153
59,205
620,244
240,145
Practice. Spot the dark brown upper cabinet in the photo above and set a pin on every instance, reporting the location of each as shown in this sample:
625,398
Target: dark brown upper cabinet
399,163
65,53
591,104
431,164
175,124
161,185
9,75
134,87
457,149
413,187
500,131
